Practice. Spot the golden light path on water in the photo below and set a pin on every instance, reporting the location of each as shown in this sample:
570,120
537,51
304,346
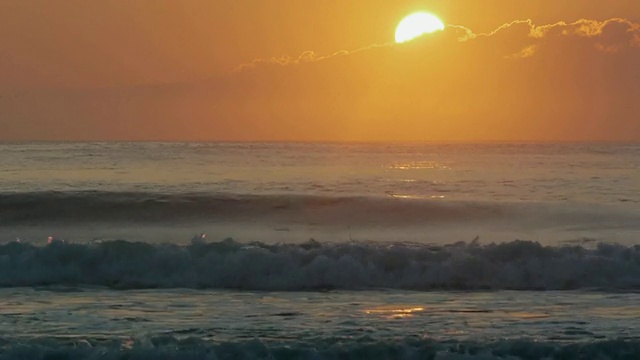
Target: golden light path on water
396,313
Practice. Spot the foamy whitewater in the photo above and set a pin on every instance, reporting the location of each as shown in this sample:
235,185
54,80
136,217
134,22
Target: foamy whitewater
319,251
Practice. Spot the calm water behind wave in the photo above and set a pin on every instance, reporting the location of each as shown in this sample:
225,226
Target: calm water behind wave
589,173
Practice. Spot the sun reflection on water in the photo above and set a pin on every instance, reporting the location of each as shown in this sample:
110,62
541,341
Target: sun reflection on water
395,313
408,196
419,165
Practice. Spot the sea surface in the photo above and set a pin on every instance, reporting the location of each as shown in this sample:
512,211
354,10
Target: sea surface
319,251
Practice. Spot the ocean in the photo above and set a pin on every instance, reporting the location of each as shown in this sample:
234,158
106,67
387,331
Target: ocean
146,250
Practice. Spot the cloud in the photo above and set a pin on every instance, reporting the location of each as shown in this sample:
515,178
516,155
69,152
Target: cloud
529,51
611,35
305,57
613,28
522,81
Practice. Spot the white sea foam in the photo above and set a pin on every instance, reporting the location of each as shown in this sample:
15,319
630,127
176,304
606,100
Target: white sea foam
312,265
167,347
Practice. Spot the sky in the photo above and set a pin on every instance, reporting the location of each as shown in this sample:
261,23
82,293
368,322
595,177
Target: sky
297,70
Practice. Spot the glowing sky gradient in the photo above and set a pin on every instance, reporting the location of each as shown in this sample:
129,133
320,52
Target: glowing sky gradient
537,70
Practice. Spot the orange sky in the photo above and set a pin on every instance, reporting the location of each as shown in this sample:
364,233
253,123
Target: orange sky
164,70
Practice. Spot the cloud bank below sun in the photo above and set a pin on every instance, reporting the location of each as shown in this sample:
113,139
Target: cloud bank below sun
564,81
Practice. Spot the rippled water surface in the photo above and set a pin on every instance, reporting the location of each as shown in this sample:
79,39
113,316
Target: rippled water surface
541,172
220,316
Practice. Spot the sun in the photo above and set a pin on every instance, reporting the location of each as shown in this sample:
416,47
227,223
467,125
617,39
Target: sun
417,24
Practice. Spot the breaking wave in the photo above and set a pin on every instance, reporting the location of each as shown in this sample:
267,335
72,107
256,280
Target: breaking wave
518,265
190,348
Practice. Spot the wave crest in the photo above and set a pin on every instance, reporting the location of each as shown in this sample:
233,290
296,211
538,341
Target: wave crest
518,265
97,206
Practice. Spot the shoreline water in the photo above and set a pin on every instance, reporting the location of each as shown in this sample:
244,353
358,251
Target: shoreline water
379,324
